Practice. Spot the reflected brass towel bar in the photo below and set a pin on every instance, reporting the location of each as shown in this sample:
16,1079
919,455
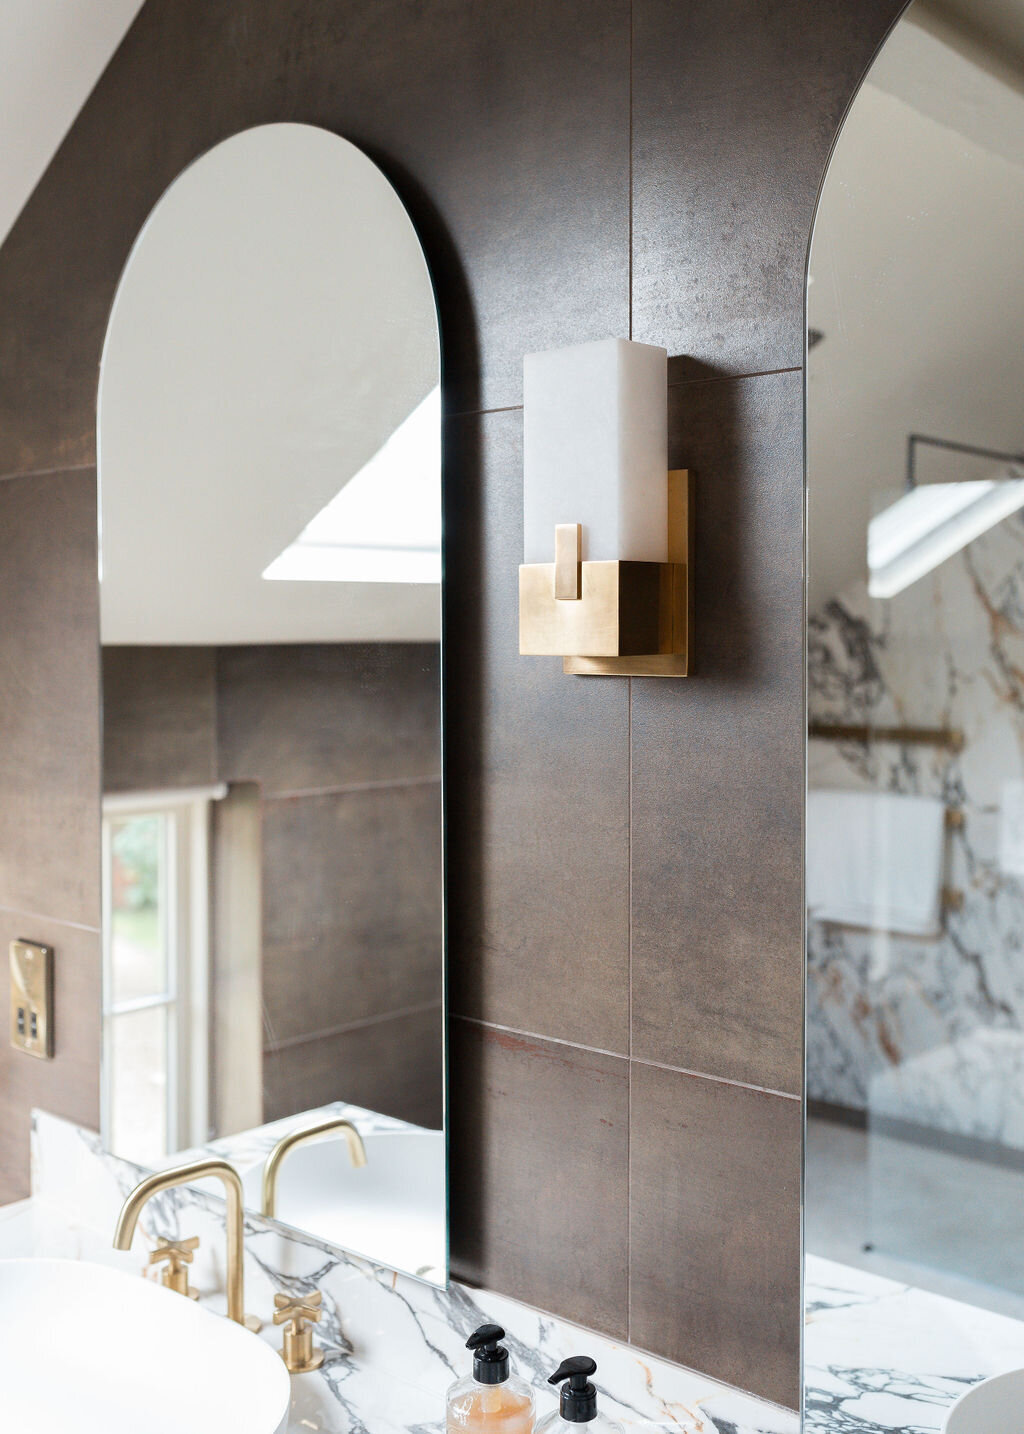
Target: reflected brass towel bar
951,739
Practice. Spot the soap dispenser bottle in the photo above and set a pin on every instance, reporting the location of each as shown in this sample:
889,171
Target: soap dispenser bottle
577,1401
491,1400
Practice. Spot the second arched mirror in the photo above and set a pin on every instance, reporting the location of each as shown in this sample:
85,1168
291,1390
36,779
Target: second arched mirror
915,805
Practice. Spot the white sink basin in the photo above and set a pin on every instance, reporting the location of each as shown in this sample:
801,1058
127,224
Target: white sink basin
88,1350
994,1407
392,1209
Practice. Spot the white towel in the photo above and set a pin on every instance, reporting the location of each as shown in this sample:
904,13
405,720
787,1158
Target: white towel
874,859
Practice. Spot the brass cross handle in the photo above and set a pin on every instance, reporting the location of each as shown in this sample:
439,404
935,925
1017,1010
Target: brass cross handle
298,1308
178,1255
296,1313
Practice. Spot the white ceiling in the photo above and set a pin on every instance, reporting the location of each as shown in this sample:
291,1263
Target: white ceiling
52,52
274,327
917,285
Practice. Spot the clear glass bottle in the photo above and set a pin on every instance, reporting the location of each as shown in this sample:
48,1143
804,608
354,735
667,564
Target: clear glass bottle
491,1400
577,1404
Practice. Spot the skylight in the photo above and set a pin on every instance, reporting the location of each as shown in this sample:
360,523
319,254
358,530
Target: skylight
384,526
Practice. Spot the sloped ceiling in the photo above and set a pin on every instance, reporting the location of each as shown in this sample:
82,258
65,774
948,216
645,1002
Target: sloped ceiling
52,52
916,281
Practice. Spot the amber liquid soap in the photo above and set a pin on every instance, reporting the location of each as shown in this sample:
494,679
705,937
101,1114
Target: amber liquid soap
491,1400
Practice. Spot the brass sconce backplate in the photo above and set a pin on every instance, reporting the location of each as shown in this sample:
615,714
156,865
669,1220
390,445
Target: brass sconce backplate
614,619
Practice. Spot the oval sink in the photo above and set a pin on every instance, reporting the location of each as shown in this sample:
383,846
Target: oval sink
392,1209
993,1407
88,1349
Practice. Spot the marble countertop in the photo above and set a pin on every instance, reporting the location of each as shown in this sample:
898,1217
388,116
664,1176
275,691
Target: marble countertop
886,1358
375,1321
880,1357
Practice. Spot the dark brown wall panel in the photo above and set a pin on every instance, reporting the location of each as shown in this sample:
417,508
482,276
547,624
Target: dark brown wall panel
49,698
540,1180
538,787
715,1222
718,762
159,718
575,170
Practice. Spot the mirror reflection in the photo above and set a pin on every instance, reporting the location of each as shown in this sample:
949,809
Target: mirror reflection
915,805
270,496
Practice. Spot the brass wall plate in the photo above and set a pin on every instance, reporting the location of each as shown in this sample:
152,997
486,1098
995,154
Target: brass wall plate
32,998
631,619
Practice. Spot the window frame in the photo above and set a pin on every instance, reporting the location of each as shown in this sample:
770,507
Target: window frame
185,881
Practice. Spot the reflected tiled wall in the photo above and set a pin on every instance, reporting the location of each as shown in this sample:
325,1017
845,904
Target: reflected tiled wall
624,857
343,741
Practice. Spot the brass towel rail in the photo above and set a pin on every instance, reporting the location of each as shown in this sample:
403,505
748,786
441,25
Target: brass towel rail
950,739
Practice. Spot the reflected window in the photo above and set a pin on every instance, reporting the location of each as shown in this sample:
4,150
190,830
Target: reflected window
155,1000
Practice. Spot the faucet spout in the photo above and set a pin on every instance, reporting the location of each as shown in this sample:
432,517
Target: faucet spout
184,1175
334,1124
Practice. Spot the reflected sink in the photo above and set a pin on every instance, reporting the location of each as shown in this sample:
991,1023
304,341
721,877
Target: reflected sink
87,1349
392,1209
993,1407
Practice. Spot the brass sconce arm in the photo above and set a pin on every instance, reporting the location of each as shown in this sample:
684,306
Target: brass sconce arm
165,1180
331,1126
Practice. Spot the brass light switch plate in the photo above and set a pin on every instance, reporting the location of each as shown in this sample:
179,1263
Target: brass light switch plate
32,999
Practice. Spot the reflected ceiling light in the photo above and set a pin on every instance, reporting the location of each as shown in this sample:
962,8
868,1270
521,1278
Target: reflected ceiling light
384,526
932,521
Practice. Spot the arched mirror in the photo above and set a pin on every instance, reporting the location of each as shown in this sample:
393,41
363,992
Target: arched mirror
915,804
270,493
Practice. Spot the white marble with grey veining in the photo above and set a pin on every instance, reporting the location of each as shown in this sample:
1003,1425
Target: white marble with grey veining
886,1358
393,1343
891,1019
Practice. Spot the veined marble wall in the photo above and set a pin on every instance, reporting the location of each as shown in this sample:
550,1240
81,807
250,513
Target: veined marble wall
929,1031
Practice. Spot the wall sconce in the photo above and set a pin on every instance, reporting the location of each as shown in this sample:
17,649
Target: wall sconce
599,499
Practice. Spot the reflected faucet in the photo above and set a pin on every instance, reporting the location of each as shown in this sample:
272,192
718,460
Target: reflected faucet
185,1175
332,1125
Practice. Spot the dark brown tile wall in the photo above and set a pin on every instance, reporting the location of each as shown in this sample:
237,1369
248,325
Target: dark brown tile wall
49,791
159,718
624,858
344,743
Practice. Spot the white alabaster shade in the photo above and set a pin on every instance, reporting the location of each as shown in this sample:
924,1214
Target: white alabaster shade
595,450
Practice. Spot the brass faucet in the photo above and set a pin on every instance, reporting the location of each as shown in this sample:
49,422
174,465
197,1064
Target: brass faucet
185,1175
332,1125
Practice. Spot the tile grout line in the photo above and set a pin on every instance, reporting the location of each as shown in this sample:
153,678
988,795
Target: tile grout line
629,761
629,180
619,1056
52,920
382,784
289,1042
629,1014
733,377
46,472
674,383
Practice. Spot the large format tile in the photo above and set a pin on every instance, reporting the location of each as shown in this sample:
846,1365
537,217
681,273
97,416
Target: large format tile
352,911
718,772
297,717
49,698
69,1085
735,106
538,1173
159,718
538,810
504,128
715,1229
394,1066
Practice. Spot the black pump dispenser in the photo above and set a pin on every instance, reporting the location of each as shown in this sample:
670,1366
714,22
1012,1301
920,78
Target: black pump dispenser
490,1358
578,1401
